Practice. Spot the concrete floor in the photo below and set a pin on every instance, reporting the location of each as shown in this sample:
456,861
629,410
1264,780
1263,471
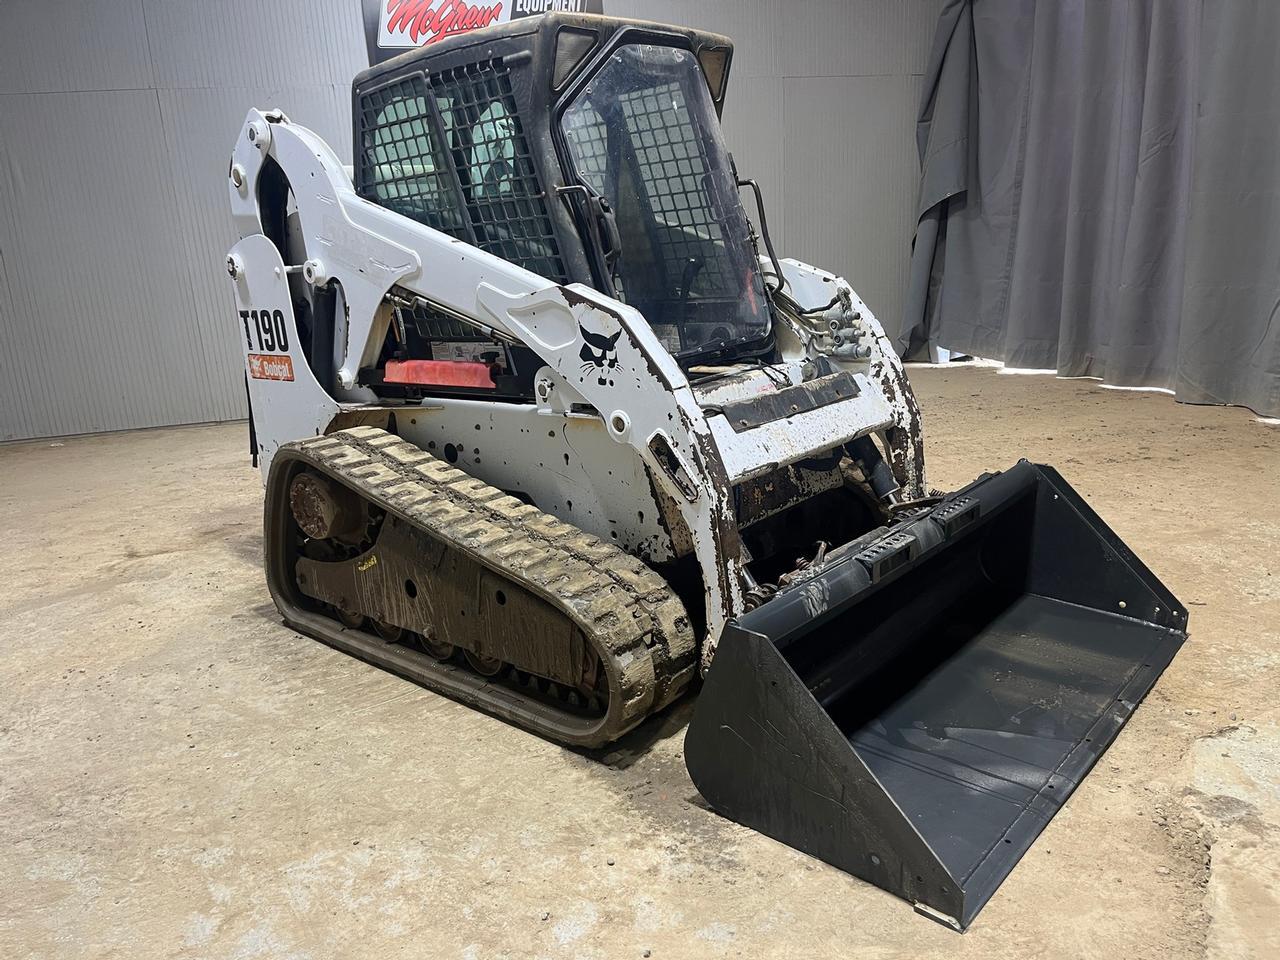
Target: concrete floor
180,775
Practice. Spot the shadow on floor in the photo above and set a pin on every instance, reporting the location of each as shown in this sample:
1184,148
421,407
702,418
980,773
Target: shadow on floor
633,746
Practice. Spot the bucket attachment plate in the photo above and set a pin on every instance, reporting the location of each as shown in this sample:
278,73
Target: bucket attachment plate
918,710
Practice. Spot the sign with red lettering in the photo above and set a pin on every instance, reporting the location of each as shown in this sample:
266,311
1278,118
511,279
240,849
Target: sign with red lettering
404,24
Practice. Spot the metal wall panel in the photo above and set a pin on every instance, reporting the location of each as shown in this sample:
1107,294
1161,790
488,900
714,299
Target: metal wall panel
247,43
850,193
17,404
103,335
116,119
62,45
856,38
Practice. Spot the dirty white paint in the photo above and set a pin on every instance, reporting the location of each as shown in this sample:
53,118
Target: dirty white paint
642,397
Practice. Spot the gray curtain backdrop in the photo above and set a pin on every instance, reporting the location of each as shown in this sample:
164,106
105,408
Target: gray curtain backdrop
1100,193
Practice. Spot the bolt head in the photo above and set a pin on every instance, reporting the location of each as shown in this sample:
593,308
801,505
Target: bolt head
314,273
258,134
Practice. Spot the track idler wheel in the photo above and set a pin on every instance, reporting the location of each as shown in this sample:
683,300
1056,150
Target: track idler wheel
323,508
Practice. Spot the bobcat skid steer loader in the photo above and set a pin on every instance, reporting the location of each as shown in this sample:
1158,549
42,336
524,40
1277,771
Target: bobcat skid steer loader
542,430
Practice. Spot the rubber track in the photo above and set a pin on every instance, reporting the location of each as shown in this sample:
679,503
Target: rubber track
625,609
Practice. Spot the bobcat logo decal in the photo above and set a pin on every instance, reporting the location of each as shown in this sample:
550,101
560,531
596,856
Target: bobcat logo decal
598,354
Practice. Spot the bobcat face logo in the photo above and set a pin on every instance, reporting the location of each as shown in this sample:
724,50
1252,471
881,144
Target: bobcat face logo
598,354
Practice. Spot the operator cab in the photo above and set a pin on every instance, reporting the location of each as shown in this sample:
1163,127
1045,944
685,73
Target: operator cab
584,149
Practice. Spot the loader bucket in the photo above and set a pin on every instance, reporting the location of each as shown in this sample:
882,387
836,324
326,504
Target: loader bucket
916,712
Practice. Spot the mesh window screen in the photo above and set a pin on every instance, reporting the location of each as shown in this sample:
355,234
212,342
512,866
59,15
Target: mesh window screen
586,131
491,154
673,166
402,166
590,141
644,134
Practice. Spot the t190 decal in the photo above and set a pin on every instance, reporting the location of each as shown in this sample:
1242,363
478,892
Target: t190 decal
265,330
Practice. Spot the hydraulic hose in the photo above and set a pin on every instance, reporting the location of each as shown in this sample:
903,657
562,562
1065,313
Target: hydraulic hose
867,456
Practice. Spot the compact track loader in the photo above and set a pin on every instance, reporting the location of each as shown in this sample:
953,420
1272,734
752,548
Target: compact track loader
547,427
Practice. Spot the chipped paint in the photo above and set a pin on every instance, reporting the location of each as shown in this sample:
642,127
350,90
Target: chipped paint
602,361
903,437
